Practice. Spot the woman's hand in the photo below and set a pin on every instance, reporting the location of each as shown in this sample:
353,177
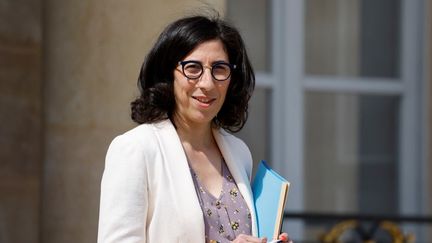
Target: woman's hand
242,238
284,238
247,238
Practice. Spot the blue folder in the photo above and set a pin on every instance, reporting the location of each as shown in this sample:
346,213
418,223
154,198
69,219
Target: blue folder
269,193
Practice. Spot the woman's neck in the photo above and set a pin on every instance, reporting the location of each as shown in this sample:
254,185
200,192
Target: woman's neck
197,136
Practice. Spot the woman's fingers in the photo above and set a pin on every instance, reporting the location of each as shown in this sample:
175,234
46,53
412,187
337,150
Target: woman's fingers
285,238
248,238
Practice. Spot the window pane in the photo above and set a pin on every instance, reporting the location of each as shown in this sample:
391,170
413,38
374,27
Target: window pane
257,129
352,38
351,153
251,17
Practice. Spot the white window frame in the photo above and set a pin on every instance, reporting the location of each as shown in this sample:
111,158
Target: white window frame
289,83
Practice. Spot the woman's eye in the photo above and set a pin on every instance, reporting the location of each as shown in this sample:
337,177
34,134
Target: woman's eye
193,68
221,68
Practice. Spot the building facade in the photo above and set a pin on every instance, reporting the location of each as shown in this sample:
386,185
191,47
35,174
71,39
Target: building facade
342,106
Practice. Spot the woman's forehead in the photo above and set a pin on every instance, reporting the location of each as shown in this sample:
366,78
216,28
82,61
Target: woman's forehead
212,49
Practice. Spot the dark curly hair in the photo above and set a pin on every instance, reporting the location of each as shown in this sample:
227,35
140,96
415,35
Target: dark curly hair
157,102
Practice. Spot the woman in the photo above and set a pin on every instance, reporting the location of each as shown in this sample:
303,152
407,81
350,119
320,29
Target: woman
180,176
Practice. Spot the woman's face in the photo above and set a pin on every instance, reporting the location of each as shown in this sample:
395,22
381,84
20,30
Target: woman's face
199,100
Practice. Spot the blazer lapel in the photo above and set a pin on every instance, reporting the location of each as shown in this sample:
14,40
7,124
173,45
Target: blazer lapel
237,170
179,177
188,207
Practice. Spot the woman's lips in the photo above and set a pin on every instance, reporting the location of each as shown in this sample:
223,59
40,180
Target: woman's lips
204,101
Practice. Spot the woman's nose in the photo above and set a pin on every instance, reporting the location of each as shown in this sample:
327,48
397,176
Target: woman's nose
206,80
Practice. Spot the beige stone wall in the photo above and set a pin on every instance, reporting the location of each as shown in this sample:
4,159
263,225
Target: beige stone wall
93,51
20,119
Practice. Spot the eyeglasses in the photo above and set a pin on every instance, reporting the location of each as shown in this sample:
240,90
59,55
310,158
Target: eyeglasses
220,71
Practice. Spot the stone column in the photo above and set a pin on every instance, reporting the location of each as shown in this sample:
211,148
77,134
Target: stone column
93,52
20,119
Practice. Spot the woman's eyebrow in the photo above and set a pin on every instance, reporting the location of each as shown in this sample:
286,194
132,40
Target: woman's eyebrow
191,60
212,63
219,61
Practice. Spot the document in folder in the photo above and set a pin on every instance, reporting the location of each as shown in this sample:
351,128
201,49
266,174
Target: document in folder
270,191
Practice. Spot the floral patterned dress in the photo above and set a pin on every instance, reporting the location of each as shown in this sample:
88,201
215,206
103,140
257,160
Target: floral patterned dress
227,216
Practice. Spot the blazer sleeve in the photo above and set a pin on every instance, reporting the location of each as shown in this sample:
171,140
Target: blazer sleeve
124,197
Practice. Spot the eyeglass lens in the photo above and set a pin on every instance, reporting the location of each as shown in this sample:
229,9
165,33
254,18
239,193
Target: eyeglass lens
219,71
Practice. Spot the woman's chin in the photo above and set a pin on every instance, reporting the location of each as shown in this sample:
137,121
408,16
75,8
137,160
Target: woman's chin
203,118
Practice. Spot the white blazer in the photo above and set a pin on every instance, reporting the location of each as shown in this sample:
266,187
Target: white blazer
147,192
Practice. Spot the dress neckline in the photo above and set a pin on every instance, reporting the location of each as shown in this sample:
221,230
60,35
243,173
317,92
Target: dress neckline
202,186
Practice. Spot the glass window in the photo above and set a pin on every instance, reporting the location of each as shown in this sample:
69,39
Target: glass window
351,153
256,132
251,17
352,38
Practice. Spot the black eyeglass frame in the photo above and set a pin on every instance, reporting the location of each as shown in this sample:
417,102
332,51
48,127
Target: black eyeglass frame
184,63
